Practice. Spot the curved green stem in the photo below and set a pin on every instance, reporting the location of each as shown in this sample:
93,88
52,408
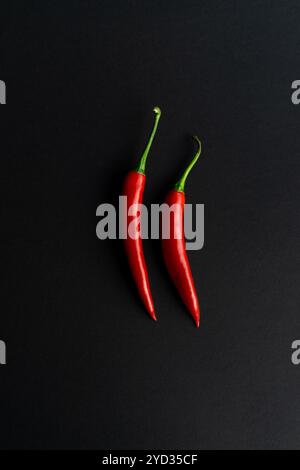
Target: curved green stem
179,186
142,163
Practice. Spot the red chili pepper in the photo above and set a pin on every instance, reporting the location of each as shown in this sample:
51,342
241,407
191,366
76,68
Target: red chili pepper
174,251
133,188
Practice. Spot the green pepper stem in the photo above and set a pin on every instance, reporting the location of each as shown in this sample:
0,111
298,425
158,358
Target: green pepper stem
142,163
179,186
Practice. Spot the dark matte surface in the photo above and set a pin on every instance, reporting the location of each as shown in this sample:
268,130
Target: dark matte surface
86,367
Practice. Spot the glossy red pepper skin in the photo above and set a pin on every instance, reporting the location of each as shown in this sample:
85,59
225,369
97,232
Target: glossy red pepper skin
174,250
133,188
175,256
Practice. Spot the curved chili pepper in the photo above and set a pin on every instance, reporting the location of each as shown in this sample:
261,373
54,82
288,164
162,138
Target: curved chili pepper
133,188
174,251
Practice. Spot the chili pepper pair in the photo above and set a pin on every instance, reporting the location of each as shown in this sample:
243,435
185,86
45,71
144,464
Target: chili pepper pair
173,247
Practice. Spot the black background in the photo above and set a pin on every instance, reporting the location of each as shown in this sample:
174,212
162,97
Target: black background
86,367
